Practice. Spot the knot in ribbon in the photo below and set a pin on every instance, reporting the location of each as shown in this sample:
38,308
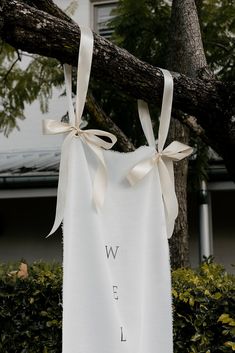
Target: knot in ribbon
164,160
92,138
164,163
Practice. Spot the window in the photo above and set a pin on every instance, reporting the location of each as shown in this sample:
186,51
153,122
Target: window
102,14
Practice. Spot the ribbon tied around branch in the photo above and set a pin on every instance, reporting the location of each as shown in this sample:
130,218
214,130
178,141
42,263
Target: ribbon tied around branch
91,137
163,158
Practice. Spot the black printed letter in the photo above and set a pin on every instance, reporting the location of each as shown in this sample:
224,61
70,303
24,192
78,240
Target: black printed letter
111,251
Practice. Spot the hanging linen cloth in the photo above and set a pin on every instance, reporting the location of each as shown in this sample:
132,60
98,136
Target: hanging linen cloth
118,210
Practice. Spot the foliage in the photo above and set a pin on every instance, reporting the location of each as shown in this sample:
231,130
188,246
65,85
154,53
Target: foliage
31,310
204,307
142,28
20,85
217,18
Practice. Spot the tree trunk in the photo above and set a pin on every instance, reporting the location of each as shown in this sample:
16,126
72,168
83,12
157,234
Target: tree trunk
186,55
179,243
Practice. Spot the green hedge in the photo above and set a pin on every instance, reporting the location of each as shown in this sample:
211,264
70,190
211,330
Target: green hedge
204,310
203,302
30,310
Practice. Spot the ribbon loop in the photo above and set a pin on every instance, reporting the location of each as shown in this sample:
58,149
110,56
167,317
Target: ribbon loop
52,127
92,137
176,151
162,158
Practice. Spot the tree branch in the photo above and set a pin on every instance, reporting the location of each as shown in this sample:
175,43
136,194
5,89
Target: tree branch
210,101
49,7
12,65
105,122
37,32
191,123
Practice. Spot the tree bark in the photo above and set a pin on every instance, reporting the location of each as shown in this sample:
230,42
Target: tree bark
187,57
211,101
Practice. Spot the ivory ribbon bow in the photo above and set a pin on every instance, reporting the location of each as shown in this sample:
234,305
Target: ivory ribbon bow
91,137
163,158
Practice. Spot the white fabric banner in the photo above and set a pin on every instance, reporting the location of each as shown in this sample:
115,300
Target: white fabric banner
118,211
117,290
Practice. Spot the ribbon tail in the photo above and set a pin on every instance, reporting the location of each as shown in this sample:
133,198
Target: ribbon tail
139,171
100,185
53,127
62,185
100,180
177,151
166,174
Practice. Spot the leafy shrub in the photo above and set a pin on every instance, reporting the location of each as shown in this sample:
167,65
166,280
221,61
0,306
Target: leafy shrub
31,310
204,310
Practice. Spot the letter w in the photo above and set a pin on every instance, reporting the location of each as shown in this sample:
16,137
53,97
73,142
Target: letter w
111,251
